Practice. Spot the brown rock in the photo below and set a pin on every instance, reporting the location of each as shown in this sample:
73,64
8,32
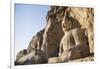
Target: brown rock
34,57
52,35
73,44
45,45
21,54
53,60
36,42
85,16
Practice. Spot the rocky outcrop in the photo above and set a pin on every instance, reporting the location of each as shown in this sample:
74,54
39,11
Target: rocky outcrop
33,54
85,16
36,42
21,54
54,60
57,60
76,32
35,57
52,34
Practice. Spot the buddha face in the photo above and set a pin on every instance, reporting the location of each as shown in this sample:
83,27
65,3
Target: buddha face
66,24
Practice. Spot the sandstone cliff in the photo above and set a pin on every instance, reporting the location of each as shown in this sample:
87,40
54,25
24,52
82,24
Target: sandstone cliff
47,41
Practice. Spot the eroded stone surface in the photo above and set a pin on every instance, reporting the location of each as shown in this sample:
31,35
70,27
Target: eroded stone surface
46,43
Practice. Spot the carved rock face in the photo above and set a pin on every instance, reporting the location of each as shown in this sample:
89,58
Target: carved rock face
48,40
66,24
52,35
73,44
85,16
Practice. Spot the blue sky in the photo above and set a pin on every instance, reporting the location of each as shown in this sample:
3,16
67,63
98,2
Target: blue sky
29,19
